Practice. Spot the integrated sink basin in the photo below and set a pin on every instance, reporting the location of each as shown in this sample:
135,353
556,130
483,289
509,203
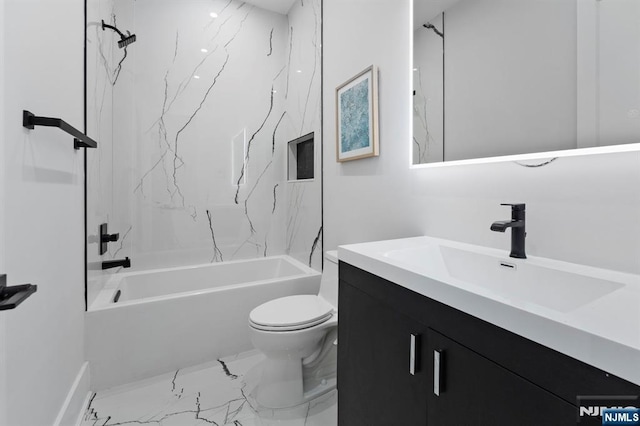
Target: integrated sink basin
560,286
588,313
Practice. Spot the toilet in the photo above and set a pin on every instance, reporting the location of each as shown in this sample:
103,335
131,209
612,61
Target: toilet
295,334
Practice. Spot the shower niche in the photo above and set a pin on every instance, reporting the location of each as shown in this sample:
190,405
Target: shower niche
197,117
300,159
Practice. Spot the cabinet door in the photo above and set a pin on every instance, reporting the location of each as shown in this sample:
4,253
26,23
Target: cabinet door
476,391
379,382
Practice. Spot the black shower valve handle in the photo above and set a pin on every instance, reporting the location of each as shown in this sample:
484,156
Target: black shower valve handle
106,238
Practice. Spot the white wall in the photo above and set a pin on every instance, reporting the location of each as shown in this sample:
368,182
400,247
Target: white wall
43,207
368,199
579,209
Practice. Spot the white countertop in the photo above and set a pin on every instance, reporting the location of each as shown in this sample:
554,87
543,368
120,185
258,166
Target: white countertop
604,333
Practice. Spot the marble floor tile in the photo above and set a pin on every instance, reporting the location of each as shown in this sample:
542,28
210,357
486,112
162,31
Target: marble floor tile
215,393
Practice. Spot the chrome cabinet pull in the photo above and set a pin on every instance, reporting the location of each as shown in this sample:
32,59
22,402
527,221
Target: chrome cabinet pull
412,355
437,368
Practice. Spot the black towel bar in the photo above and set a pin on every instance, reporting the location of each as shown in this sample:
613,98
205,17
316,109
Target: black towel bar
10,297
80,140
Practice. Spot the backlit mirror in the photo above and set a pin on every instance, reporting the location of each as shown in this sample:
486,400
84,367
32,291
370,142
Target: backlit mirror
505,77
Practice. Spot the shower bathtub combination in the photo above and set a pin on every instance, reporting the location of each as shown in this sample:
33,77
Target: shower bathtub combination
166,319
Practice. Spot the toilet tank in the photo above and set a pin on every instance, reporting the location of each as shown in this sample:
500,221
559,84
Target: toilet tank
329,282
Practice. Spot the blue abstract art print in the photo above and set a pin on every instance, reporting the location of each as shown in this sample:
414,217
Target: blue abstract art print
354,110
357,117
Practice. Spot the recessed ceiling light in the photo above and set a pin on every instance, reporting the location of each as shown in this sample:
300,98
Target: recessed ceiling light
415,69
196,77
298,71
213,15
203,50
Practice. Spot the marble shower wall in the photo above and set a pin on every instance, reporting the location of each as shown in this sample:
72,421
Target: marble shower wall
209,93
303,235
193,132
109,74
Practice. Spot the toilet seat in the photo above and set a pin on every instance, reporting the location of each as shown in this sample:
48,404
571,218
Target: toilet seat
291,313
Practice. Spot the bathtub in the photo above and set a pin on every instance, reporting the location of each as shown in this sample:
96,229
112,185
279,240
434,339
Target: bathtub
166,319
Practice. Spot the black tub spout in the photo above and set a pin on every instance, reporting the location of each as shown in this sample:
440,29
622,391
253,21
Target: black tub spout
108,264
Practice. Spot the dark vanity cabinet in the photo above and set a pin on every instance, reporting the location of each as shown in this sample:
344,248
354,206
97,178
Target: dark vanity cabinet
476,391
385,385
405,359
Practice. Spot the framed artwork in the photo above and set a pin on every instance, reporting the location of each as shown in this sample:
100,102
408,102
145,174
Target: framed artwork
357,117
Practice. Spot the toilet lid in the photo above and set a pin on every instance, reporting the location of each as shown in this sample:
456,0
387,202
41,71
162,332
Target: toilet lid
292,311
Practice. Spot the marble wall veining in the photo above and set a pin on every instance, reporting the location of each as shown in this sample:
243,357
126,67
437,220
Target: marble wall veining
194,120
200,81
303,115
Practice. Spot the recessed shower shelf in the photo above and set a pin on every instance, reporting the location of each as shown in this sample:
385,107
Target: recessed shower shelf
29,121
11,297
301,154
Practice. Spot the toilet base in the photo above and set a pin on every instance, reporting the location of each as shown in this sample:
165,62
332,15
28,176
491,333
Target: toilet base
281,383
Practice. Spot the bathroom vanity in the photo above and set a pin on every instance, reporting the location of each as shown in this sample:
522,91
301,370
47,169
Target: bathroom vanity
422,344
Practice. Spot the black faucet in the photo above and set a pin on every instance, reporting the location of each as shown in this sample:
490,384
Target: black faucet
108,264
518,232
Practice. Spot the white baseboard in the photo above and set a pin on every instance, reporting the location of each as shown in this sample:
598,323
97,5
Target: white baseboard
71,411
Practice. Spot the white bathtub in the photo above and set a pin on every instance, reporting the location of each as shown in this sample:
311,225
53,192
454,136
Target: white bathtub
172,318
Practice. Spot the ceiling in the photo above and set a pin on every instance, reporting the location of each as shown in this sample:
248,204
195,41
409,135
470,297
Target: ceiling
279,6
